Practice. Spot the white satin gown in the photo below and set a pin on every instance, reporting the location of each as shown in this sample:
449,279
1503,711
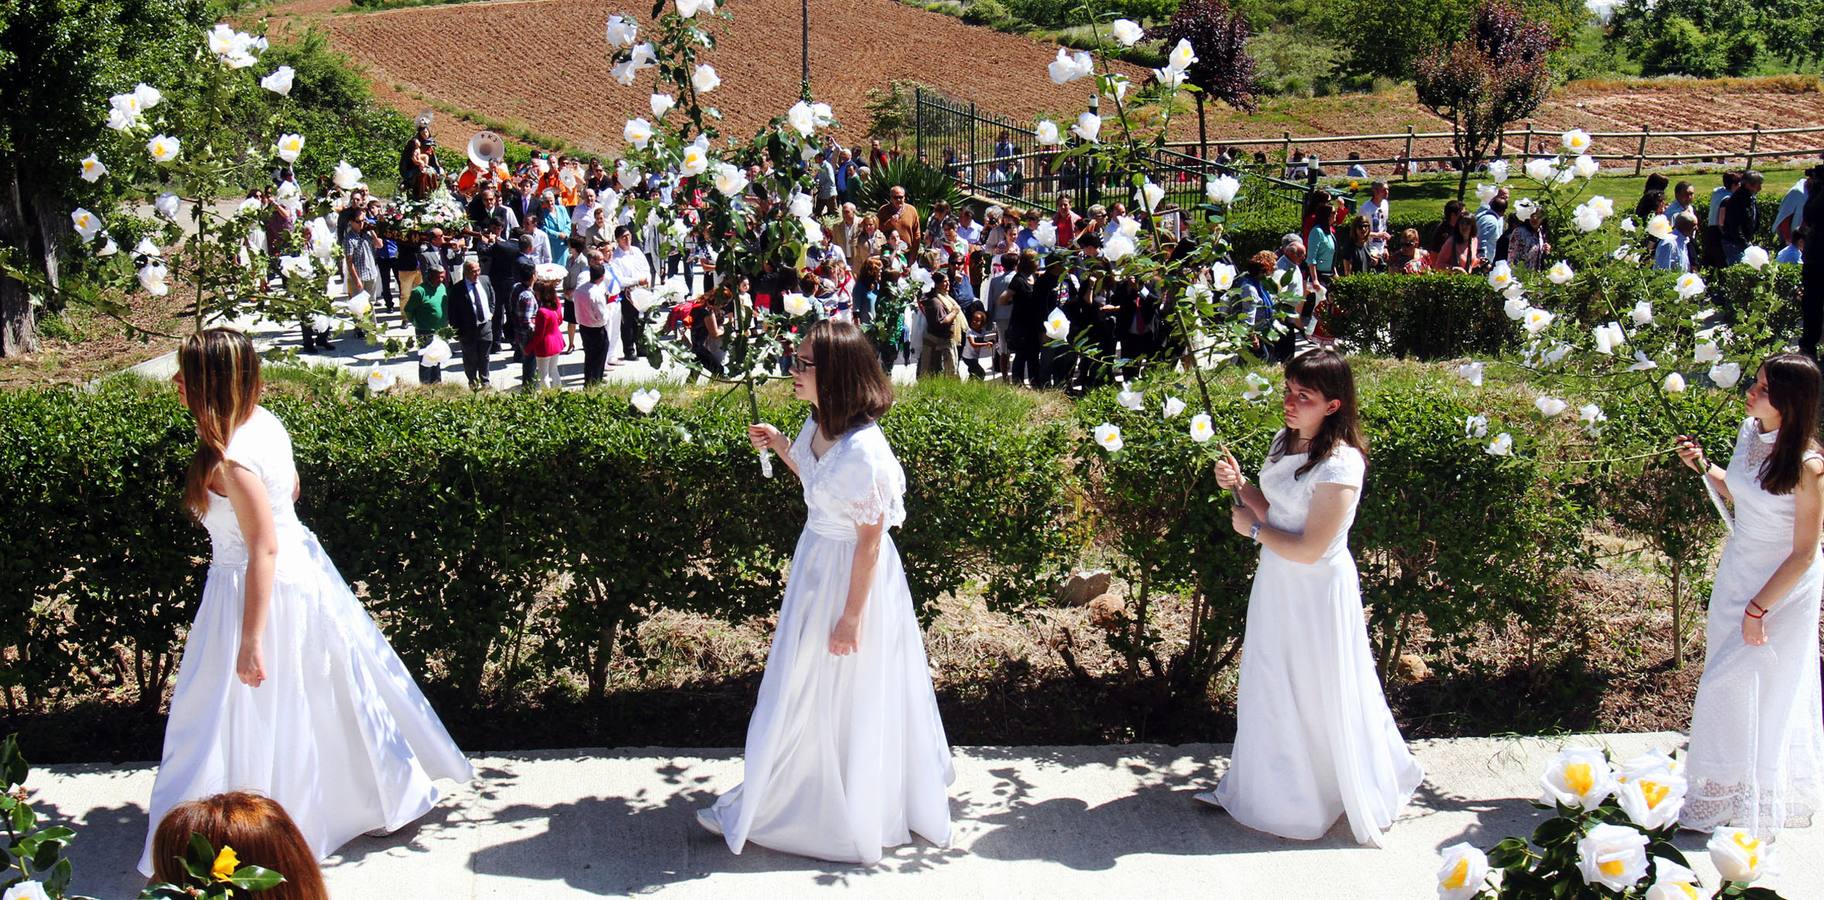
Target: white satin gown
846,755
339,733
1756,757
1314,740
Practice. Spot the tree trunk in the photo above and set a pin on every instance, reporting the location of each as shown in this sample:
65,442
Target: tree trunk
18,324
1203,139
1678,617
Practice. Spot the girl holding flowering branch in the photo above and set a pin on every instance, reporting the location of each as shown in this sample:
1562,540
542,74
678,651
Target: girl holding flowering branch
846,754
1756,758
1314,739
286,688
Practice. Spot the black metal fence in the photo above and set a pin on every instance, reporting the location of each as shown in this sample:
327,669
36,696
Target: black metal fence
1000,159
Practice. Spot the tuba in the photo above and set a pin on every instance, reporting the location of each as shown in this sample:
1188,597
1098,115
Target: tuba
486,151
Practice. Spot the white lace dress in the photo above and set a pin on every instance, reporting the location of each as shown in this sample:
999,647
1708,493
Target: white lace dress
1314,739
846,755
338,734
1757,733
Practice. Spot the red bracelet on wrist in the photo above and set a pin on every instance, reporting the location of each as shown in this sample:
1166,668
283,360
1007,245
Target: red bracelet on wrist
1752,615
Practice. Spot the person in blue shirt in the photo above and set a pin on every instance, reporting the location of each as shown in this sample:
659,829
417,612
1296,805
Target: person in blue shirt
1674,253
1491,220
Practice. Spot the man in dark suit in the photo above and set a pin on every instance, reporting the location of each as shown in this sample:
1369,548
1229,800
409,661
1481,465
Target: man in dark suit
471,310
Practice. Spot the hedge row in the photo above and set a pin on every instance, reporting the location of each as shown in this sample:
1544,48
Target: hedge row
502,541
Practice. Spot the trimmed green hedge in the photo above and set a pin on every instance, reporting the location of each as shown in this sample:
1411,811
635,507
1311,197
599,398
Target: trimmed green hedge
505,541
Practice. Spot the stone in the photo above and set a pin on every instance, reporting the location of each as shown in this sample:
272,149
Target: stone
1106,610
1412,668
1083,586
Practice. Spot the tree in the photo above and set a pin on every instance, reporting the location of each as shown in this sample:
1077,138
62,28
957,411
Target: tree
59,61
1494,75
1223,69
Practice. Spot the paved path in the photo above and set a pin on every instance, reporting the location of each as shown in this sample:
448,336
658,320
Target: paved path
1040,822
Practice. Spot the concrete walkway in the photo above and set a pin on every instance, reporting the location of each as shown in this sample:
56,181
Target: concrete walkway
1041,822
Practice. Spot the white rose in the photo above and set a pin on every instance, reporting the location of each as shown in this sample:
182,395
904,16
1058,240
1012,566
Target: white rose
802,119
1131,399
1585,218
645,401
346,176
1653,800
1643,312
1538,320
1222,189
92,169
1540,170
1181,57
1577,141
1585,166
152,278
1047,233
1171,79
1500,276
1602,205
1222,276
288,147
1672,881
1258,387
1498,171
1126,31
1674,383
1690,285
163,148
690,8
279,82
1109,436
1118,248
704,79
1475,427
1608,338
1471,372
147,247
1463,874
1754,257
1660,227
1577,777
1502,445
1088,126
1591,416
1614,856
1485,193
1550,407
622,31
1707,352
1057,325
1738,856
730,179
797,304
1725,375
1149,195
379,380
435,353
1560,273
1173,406
87,224
1047,132
1201,428
637,132
26,890
1642,362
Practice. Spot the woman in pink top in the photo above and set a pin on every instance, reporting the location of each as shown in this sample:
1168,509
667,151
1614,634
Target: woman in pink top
547,334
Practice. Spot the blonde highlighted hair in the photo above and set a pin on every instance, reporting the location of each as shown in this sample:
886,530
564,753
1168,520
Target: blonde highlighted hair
221,375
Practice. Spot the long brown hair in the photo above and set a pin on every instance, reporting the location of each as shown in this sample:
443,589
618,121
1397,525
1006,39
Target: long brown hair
1327,373
258,829
221,375
1792,383
851,388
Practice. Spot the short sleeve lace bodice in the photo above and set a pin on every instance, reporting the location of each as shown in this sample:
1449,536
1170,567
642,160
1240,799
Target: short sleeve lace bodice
1761,517
857,481
1289,495
262,446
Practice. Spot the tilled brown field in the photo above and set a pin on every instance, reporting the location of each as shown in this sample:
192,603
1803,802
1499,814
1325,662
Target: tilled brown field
543,63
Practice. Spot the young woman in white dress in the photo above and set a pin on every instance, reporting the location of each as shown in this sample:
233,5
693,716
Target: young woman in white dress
845,751
1756,757
1314,740
286,687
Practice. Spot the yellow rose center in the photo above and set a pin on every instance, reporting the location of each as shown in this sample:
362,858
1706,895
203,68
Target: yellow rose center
1654,792
1689,890
1611,868
1459,875
225,864
1578,777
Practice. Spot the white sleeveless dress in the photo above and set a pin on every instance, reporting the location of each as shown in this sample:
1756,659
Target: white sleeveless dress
1756,756
338,734
846,755
1314,739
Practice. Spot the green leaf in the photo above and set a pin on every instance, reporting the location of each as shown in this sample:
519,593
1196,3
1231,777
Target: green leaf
256,878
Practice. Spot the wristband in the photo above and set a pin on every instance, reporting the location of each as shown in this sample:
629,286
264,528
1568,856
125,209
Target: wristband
1763,610
1254,533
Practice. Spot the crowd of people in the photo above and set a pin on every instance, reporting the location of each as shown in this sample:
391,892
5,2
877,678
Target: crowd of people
550,256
